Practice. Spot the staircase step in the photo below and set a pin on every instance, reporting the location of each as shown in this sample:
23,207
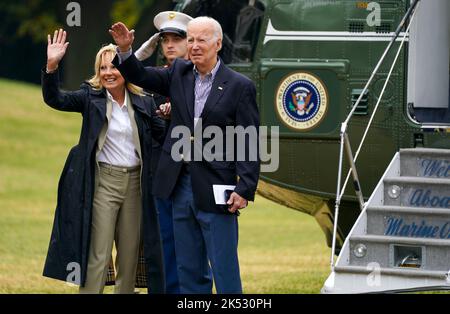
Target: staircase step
417,192
410,210
389,251
425,151
415,222
370,238
402,272
368,279
425,162
415,180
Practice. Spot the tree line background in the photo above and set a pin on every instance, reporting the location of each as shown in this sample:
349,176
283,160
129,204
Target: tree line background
26,23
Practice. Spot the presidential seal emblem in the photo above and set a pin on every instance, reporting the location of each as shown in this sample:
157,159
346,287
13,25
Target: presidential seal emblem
301,101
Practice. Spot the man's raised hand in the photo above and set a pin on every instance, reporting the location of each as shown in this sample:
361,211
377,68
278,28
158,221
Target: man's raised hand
122,36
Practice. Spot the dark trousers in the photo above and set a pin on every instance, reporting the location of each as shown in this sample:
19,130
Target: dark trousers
164,207
205,243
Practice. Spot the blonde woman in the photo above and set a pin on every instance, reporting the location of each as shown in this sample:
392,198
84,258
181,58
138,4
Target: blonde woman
104,193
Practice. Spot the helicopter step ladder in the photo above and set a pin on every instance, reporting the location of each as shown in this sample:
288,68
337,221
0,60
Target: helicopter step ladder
401,240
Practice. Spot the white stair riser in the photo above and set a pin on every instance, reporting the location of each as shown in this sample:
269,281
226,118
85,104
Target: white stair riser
425,167
436,258
411,225
419,195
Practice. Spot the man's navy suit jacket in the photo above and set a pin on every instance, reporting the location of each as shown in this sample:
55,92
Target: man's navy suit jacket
231,102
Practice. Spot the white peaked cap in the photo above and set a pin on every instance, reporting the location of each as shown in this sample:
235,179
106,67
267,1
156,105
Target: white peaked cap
172,22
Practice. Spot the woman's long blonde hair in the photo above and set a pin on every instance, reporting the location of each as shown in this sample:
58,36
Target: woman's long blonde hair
95,80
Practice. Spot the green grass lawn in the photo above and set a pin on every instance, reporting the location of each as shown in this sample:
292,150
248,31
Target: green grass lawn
280,250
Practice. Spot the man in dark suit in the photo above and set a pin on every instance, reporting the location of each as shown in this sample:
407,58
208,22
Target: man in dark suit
205,95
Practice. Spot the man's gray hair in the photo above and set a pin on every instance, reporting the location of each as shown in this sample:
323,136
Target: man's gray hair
218,34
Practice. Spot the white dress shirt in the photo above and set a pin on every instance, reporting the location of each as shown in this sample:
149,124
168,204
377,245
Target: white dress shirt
119,148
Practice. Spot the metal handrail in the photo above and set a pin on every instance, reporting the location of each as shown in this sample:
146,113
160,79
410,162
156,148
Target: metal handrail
344,140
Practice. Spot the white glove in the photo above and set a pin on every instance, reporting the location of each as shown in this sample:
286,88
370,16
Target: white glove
147,48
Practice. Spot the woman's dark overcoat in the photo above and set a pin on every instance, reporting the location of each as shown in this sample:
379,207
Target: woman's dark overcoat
68,251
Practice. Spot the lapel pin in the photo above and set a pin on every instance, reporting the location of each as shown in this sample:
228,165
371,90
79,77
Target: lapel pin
220,88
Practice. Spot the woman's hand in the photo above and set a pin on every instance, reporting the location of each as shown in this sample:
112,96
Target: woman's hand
56,49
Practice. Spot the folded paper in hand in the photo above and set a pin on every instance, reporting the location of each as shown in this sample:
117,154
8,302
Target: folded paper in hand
219,193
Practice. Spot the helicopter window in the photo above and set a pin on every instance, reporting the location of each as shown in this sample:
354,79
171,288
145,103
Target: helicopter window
241,22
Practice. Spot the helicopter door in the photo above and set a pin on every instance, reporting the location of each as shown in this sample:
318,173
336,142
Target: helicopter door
429,60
